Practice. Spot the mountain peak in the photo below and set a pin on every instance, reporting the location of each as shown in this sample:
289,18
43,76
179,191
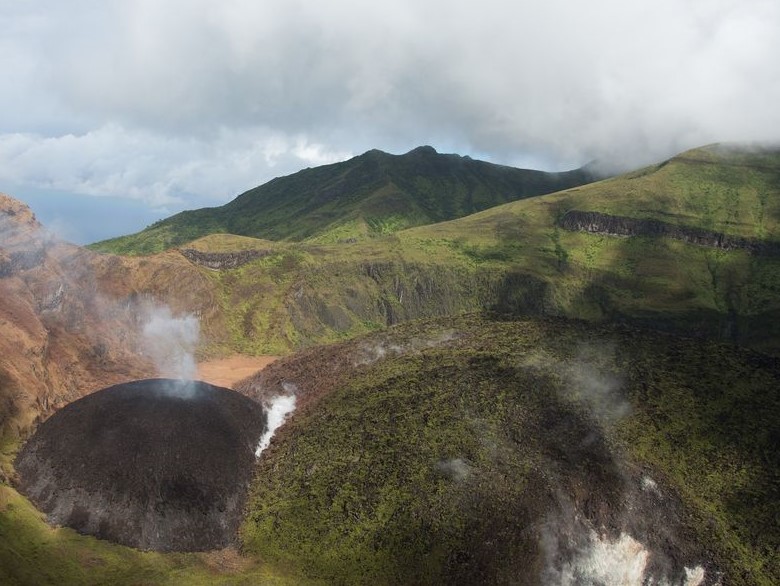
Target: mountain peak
423,150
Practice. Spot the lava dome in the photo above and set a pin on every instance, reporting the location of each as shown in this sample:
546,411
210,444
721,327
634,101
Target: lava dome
155,464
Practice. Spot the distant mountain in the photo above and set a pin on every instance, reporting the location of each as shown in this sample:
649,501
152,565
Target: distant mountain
373,193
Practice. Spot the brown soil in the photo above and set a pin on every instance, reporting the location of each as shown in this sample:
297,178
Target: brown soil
226,372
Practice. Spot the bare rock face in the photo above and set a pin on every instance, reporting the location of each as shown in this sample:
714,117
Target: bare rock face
61,336
23,240
154,464
598,223
223,260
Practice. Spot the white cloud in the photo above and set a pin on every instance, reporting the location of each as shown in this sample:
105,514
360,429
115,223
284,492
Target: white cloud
162,89
164,171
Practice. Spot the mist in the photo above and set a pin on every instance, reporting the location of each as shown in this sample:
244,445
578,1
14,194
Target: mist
64,288
601,560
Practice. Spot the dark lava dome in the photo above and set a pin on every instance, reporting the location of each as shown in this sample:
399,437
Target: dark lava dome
154,464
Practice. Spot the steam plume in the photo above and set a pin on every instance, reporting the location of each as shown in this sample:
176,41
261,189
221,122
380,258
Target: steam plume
278,409
171,341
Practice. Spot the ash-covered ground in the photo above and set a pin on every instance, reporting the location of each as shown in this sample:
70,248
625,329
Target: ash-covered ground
156,464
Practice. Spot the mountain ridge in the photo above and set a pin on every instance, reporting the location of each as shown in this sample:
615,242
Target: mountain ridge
372,193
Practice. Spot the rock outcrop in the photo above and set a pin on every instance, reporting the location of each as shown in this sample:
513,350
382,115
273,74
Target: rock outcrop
72,320
598,223
223,260
61,337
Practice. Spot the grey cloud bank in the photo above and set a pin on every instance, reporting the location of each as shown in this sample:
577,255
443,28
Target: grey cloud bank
186,103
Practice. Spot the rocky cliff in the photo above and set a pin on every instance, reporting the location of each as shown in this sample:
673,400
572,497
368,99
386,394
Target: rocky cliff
598,223
223,260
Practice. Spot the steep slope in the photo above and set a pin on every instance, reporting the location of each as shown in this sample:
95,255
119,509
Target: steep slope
59,339
72,322
460,450
540,451
373,193
466,450
690,245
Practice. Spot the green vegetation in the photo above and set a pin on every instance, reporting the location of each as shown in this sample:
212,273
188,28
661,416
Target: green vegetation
375,193
231,243
363,269
438,464
436,449
514,257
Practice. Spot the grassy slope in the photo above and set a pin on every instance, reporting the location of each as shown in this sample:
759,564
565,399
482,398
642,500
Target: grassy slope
515,258
603,276
374,193
354,489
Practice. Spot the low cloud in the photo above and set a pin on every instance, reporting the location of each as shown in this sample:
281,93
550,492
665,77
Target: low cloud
180,102
167,173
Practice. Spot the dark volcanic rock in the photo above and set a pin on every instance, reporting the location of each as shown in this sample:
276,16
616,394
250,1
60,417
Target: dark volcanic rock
598,223
223,260
155,464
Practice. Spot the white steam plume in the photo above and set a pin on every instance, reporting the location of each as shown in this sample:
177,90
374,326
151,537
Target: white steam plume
603,561
622,561
171,341
278,409
369,353
592,378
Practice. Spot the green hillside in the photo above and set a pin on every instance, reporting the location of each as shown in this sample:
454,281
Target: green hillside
518,258
374,193
499,405
469,451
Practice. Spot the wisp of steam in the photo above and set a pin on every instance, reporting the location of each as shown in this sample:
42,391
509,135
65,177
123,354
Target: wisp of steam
171,341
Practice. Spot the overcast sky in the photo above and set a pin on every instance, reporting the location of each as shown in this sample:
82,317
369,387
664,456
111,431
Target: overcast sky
160,105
